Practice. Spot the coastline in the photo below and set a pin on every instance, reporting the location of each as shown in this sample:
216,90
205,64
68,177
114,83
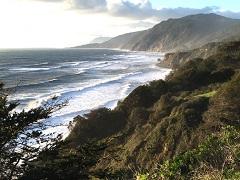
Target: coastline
123,83
109,105
160,121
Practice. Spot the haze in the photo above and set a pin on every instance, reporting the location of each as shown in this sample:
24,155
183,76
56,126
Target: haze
66,23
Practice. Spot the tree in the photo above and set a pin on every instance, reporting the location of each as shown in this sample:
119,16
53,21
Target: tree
21,137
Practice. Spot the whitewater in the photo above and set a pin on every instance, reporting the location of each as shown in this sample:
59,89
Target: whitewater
87,78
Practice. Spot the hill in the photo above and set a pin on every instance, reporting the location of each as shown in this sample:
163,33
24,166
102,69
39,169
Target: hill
177,34
95,43
100,40
184,127
176,59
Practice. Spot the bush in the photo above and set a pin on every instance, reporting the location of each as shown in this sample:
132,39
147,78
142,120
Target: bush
219,153
16,130
62,162
96,125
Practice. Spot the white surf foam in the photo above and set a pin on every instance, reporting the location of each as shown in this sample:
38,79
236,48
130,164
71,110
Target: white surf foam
136,68
29,69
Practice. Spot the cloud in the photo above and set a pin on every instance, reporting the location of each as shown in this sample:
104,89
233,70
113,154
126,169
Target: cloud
123,8
90,5
231,14
51,0
139,9
142,9
166,13
141,24
84,5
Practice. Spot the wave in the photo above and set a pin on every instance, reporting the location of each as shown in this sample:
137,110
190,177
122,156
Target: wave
37,64
72,63
98,81
29,69
22,58
35,84
104,95
127,79
66,93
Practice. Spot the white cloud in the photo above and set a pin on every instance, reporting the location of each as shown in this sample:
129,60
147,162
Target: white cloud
91,5
142,9
27,24
35,23
138,9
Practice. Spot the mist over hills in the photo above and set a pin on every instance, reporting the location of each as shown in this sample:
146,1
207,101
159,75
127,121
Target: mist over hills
100,40
176,34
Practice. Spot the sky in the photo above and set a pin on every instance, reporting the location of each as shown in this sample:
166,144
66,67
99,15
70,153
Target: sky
66,23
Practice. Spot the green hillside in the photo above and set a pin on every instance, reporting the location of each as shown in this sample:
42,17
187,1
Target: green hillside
185,127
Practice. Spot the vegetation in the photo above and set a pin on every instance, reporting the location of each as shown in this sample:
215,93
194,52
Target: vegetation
219,155
174,60
186,127
18,131
64,162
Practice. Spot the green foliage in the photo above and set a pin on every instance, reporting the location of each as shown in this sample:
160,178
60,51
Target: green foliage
220,152
62,162
16,130
144,96
190,112
142,177
97,125
225,105
201,72
208,94
166,122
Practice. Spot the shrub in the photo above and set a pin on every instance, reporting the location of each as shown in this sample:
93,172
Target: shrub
96,125
219,153
16,130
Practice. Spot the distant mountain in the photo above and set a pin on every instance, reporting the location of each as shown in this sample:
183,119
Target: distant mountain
177,34
100,40
93,45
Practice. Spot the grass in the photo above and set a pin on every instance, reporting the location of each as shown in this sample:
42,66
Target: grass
208,94
216,158
142,177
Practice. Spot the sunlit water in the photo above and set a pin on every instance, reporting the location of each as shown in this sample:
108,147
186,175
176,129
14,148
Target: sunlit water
87,78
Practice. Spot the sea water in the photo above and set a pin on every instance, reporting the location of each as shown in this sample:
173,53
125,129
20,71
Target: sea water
87,78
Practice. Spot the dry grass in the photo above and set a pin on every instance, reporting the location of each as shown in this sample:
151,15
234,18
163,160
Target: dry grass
206,172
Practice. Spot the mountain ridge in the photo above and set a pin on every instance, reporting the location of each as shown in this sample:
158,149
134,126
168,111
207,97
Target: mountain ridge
100,40
176,34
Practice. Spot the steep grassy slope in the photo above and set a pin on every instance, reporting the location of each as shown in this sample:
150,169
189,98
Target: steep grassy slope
162,130
218,155
177,34
173,60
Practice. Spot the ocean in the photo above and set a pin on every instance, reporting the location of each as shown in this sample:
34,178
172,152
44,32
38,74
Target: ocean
87,78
